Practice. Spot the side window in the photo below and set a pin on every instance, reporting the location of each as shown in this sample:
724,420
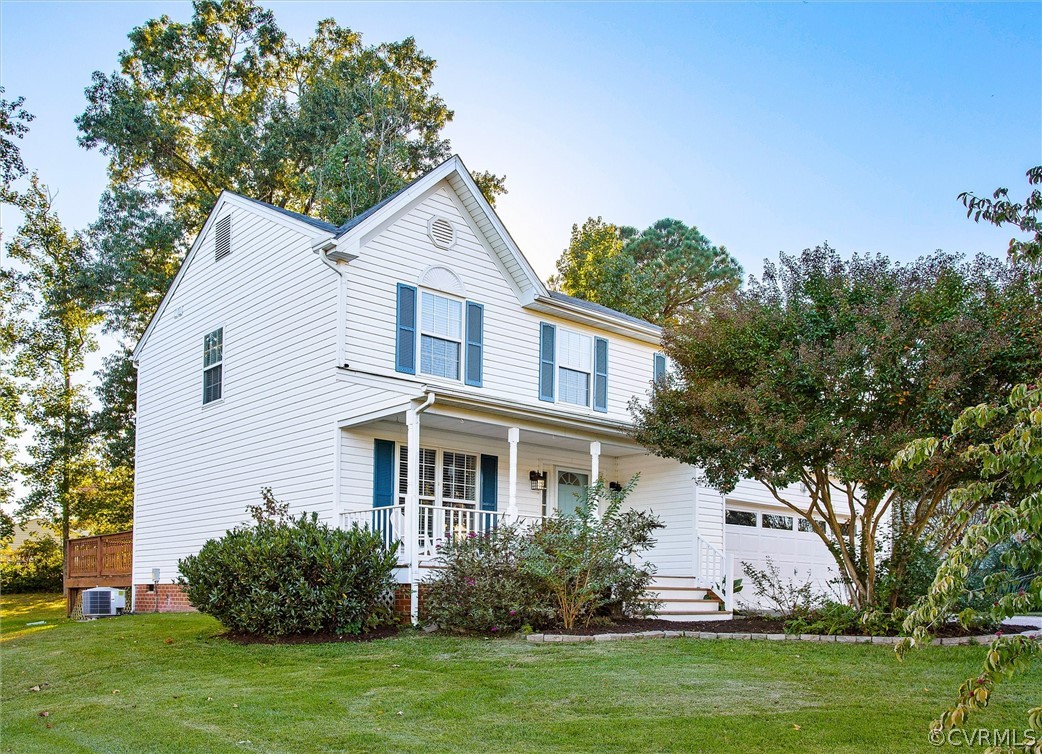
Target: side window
213,365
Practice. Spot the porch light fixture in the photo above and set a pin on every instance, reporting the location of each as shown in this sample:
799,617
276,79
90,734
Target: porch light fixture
537,479
614,486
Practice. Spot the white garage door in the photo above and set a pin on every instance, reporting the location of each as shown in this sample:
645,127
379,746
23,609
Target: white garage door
753,535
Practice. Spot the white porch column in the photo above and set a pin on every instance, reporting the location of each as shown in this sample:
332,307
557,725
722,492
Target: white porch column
513,437
595,465
412,510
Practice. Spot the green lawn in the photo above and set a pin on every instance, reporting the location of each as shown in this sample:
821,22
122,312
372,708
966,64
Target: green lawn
165,683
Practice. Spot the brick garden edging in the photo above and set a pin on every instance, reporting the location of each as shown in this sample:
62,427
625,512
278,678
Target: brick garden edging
827,638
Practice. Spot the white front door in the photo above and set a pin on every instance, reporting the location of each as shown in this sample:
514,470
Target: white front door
571,488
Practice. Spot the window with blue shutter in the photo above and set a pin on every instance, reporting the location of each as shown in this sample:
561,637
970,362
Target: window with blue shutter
660,367
405,342
547,356
383,473
600,375
475,343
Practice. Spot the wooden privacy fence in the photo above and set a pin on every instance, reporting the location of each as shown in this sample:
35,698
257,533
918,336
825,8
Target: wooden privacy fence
100,561
104,560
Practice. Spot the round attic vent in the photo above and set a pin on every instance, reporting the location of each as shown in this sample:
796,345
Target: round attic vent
442,232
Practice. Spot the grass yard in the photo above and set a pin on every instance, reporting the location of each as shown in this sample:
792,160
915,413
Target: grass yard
166,684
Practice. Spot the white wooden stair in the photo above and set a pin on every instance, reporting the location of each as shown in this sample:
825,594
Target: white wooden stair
684,599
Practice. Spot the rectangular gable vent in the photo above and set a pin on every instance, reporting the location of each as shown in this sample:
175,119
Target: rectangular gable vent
223,238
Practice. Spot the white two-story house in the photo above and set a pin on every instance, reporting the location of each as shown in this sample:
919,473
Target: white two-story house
408,371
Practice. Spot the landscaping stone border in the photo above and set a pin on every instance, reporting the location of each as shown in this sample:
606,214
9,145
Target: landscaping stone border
827,638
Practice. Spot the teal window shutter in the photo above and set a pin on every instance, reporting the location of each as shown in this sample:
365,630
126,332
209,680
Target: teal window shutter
660,367
600,375
489,490
383,473
405,343
489,482
475,343
547,357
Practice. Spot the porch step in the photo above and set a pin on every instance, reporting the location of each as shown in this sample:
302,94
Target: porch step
693,617
683,598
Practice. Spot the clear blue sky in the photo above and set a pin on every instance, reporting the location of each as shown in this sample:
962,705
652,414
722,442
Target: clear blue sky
770,126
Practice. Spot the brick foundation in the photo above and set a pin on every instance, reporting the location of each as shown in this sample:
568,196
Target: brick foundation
403,602
171,599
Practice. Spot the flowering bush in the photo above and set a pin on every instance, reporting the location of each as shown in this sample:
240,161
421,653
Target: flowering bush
481,588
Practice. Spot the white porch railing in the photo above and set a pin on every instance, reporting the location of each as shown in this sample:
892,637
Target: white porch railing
435,525
716,570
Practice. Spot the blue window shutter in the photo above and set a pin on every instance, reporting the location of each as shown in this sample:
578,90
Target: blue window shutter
405,343
383,473
489,482
660,367
600,375
475,343
547,357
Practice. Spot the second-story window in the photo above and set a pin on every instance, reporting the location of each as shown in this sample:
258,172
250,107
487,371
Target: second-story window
574,367
441,335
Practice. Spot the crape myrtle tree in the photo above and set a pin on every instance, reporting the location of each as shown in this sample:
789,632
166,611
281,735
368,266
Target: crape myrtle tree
1007,474
662,274
823,369
226,100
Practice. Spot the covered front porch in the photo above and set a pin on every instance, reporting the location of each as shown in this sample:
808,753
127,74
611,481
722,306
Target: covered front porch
448,466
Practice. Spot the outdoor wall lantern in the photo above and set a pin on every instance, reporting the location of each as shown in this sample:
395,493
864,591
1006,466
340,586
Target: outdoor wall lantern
538,479
614,486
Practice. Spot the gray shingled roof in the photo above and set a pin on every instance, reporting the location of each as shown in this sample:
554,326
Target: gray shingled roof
582,303
322,224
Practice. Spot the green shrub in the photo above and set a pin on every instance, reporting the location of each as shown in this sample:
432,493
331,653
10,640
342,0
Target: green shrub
584,562
36,566
285,576
795,599
481,589
832,618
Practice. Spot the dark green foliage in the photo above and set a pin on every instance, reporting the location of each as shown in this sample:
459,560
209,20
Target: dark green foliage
906,573
36,566
481,587
662,274
584,562
565,571
286,576
822,370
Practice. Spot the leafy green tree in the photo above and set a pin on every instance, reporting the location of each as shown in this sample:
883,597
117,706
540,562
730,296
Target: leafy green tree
14,124
1007,472
594,267
50,354
822,370
14,120
136,246
226,100
662,274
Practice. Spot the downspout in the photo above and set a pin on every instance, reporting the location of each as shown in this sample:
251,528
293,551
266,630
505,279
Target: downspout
341,301
412,506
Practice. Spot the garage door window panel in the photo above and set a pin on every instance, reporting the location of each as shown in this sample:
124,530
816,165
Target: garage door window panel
774,521
740,518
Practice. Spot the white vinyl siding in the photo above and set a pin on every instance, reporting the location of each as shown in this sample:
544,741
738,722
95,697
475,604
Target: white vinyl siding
511,332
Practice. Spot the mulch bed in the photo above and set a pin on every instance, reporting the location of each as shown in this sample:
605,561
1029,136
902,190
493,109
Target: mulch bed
320,638
744,625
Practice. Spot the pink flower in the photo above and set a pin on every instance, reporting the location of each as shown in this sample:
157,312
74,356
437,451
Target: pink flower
495,628
470,581
513,613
